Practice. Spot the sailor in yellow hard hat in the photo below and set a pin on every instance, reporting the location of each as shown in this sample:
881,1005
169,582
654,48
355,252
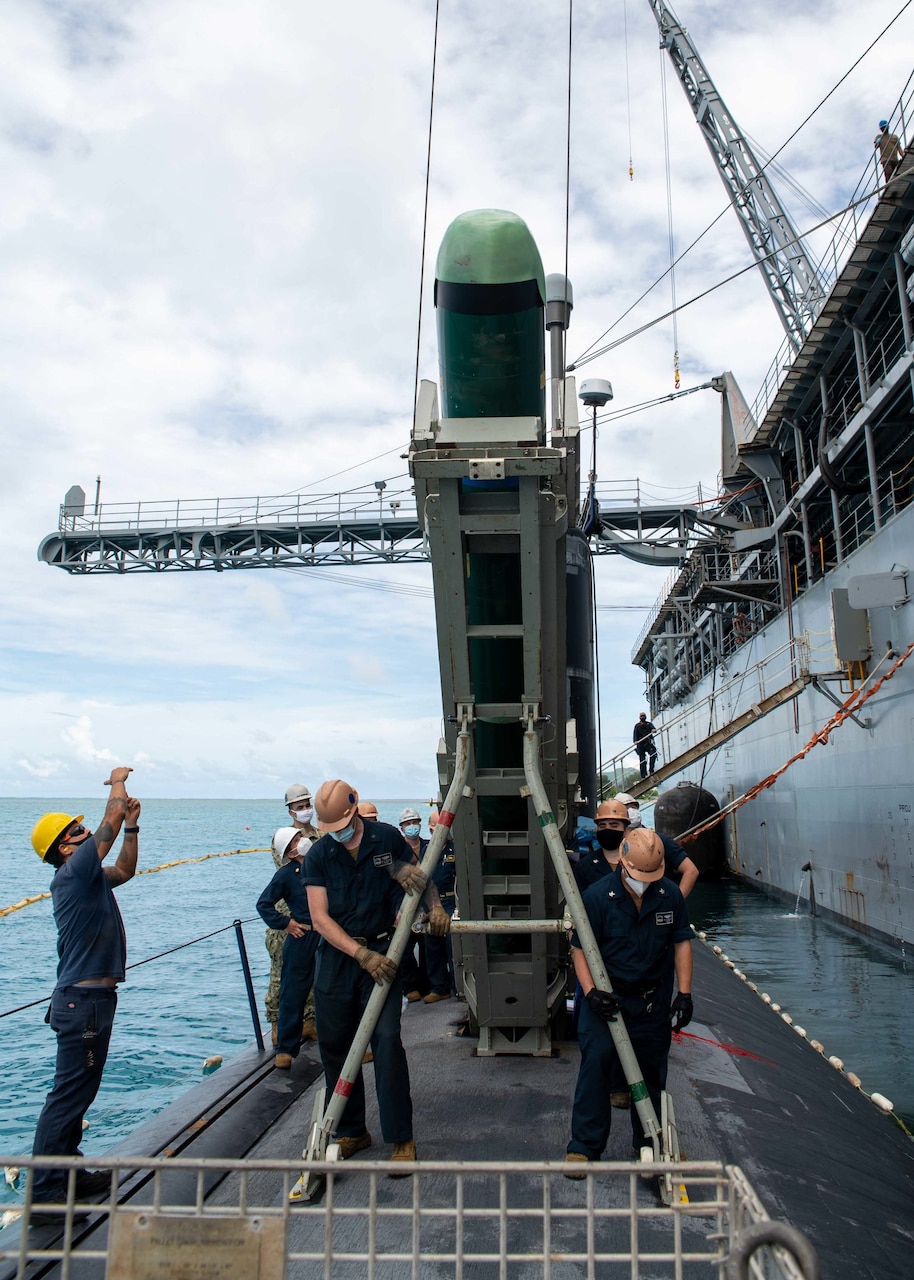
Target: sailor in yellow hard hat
92,948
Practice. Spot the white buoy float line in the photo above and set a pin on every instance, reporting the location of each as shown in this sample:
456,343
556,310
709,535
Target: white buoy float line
878,1099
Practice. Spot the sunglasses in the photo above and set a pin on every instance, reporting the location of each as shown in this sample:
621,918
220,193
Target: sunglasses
79,832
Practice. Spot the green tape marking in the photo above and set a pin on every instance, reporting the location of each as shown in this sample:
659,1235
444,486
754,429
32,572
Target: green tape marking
547,819
639,1091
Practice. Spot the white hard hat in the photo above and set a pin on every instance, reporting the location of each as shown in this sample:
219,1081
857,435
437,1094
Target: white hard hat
626,798
409,815
282,839
297,792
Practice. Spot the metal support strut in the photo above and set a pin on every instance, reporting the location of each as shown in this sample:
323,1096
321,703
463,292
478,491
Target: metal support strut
662,1140
325,1121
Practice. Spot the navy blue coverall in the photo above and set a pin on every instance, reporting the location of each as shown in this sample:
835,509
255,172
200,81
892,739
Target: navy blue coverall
438,952
92,946
637,944
363,899
298,954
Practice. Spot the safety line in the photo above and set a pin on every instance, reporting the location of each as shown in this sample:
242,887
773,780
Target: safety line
146,871
139,963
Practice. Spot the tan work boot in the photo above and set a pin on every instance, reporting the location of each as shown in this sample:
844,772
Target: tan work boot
403,1151
413,996
309,1029
283,1061
573,1158
622,1100
349,1146
434,996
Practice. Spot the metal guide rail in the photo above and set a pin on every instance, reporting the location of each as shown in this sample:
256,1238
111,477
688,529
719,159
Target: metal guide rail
189,1217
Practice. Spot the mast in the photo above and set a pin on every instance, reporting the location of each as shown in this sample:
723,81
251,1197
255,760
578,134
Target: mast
793,282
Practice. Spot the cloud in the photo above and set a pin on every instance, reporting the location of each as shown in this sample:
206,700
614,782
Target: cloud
79,737
210,247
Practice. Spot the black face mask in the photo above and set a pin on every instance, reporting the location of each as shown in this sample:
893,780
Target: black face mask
610,839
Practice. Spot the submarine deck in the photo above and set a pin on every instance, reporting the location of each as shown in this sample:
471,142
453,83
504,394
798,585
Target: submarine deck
748,1091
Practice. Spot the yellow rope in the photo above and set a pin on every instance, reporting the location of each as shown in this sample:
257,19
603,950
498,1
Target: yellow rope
148,871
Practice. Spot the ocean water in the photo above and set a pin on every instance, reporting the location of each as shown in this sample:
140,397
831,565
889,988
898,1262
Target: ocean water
176,1011
173,1012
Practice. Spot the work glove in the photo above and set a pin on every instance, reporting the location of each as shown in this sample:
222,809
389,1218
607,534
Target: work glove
410,878
681,1011
439,922
379,966
604,1004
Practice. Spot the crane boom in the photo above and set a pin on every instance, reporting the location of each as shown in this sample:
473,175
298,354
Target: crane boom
793,282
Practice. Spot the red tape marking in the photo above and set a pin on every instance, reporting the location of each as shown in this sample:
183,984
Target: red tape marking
727,1048
343,1087
446,818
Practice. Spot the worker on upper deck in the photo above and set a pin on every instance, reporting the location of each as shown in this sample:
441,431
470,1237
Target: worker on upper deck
356,874
642,929
283,906
890,152
610,816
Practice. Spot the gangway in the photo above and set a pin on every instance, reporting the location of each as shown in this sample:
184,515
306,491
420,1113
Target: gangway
788,669
720,736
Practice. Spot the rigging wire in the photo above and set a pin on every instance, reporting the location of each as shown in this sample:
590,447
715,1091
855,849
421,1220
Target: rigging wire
584,357
618,342
428,172
669,215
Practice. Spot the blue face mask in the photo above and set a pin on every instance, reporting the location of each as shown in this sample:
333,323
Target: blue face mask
346,834
412,831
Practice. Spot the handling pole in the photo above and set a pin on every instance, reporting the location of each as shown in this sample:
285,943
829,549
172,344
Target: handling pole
323,1125
537,793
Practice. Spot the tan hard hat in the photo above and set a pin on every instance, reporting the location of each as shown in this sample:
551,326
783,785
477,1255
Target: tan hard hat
368,809
336,803
612,809
641,854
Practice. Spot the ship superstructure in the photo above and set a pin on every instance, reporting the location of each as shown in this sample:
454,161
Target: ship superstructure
810,595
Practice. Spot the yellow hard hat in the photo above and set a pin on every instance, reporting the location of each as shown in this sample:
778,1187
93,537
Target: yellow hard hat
48,830
336,803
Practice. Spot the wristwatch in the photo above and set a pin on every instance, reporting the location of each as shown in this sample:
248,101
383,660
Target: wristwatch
130,831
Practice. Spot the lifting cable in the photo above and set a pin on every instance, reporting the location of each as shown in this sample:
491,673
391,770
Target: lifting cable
848,709
428,173
669,216
628,92
146,871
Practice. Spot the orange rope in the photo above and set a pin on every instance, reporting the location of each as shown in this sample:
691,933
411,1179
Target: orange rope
844,712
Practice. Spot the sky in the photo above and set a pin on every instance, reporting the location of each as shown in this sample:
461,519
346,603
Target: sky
210,252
